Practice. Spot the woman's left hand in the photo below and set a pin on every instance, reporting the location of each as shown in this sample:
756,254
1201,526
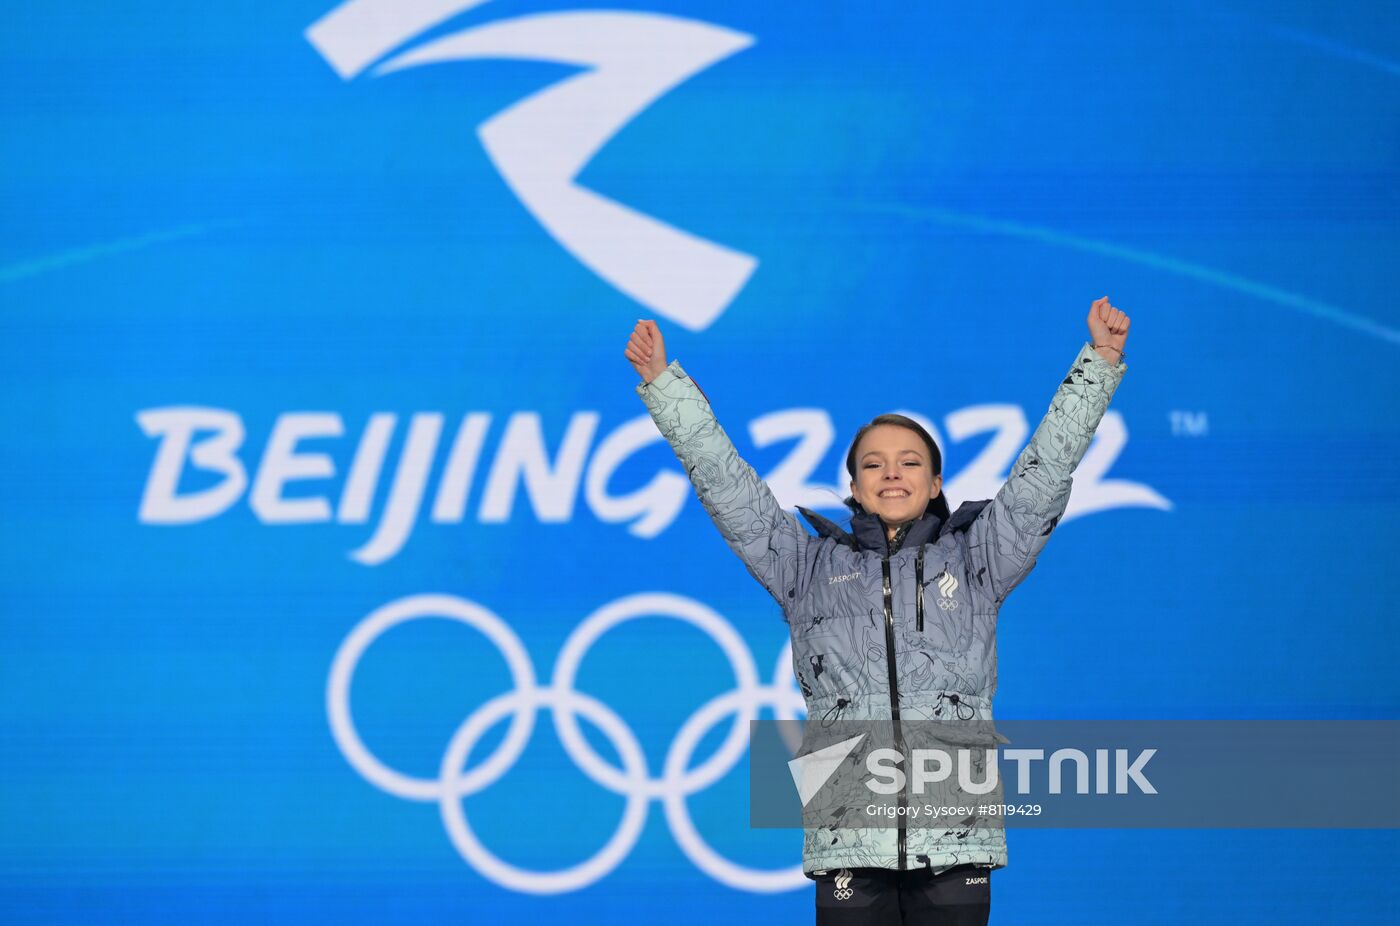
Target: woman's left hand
1109,326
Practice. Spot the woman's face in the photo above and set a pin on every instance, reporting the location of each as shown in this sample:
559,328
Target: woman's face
893,477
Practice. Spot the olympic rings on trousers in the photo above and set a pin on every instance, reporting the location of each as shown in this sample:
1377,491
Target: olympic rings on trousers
676,782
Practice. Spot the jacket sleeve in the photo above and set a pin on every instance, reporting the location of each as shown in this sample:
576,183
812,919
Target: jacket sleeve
1009,533
769,539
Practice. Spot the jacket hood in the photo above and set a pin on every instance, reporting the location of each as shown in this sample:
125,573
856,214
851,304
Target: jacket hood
868,531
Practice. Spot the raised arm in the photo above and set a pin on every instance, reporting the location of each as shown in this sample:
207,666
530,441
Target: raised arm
1009,533
767,538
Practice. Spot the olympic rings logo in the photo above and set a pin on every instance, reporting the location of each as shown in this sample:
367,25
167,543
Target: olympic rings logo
633,781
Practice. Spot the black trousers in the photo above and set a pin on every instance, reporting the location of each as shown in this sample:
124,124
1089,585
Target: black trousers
960,896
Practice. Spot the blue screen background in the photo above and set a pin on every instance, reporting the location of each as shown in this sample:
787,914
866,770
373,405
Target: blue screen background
201,213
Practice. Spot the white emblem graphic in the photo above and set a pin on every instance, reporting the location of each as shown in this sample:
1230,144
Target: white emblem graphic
843,885
541,143
676,781
811,771
946,586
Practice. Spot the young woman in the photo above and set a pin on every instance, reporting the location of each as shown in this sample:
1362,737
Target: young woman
893,621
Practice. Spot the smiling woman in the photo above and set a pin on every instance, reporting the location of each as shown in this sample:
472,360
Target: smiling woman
896,472
917,663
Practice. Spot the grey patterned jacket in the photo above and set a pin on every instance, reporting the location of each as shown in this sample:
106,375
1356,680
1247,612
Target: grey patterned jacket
894,631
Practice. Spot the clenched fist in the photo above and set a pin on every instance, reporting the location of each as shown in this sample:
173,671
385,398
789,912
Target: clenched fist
1108,328
645,350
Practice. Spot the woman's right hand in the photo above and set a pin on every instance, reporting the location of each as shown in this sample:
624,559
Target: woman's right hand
646,351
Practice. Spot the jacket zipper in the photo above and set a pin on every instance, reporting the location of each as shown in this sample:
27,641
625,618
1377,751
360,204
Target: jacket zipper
919,588
894,696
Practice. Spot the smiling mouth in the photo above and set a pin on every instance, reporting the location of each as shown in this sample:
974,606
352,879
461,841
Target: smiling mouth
896,493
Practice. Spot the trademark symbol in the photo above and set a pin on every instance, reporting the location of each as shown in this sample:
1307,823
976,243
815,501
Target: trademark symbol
1189,424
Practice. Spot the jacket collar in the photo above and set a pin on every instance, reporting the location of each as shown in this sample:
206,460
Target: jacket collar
868,531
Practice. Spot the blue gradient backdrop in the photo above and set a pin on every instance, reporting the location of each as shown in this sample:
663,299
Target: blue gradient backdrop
198,211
